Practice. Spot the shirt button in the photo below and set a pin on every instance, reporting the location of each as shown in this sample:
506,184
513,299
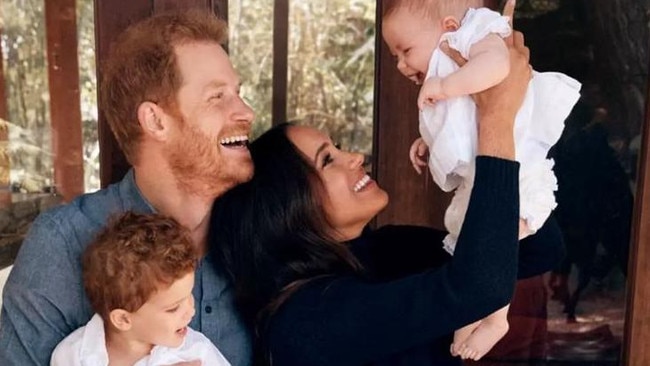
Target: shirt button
208,309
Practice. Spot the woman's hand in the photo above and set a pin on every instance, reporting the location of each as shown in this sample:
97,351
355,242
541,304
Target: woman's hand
498,105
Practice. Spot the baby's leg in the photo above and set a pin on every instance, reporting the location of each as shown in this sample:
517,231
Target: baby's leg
490,330
524,230
461,335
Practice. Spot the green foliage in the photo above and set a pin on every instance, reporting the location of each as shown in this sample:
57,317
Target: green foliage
331,64
23,45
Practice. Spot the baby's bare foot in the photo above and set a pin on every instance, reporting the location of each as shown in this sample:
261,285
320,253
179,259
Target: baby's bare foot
481,341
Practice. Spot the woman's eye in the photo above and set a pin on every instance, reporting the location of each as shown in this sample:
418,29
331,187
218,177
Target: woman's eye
327,159
217,96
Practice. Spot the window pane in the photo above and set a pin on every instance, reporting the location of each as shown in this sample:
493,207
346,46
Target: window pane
251,49
331,65
88,92
331,68
580,318
23,45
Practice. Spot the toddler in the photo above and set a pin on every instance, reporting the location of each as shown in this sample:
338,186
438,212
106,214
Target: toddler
138,275
413,31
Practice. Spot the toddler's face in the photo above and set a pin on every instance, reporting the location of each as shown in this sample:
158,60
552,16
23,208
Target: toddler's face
411,38
163,320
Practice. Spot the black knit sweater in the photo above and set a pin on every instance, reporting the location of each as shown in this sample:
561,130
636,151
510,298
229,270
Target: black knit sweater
414,295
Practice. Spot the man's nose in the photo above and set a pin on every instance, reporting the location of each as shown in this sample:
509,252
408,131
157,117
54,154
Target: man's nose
244,113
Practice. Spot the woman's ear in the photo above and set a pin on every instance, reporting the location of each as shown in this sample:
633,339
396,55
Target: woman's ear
151,119
450,24
121,319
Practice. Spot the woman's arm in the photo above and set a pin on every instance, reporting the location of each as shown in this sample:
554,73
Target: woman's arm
395,251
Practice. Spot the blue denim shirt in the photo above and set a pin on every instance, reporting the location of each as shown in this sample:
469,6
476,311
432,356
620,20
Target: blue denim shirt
44,299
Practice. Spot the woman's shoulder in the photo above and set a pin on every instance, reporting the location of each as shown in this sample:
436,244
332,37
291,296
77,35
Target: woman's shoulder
402,233
393,251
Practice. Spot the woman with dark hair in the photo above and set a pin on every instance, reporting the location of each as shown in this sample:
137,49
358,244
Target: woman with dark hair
320,288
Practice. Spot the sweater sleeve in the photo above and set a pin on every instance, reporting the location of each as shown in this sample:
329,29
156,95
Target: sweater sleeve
348,320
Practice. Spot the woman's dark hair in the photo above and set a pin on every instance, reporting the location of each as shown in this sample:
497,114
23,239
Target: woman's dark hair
270,235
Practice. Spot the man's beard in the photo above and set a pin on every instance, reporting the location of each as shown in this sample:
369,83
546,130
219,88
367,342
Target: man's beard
199,167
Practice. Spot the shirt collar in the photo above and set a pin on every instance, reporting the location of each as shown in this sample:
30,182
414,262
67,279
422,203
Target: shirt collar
131,196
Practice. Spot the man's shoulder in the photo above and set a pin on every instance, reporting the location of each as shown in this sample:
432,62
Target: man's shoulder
81,213
90,210
65,230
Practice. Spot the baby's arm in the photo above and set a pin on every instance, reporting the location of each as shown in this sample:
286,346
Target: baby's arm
488,65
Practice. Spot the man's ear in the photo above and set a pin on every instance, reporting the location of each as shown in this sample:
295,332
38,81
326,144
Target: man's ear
121,319
450,23
152,120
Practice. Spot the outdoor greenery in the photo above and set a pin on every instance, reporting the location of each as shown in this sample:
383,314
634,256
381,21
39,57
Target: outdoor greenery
331,64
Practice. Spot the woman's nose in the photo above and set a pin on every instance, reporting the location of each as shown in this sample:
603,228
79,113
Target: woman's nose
356,160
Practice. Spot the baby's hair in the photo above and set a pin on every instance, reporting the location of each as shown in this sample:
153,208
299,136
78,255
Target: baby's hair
132,258
432,9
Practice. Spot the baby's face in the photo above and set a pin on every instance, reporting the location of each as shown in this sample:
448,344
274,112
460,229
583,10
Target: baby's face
411,38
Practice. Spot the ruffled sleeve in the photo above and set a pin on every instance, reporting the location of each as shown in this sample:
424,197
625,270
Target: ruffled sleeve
476,25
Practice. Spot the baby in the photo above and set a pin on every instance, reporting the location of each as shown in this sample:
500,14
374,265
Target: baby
413,31
138,275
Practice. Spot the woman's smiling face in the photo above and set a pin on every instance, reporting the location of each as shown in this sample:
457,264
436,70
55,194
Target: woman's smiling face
350,198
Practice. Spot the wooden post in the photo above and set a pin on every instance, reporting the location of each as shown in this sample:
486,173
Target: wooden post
637,322
111,18
5,163
280,60
415,199
65,109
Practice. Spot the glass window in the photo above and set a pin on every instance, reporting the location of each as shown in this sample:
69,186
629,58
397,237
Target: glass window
26,132
576,313
331,64
331,69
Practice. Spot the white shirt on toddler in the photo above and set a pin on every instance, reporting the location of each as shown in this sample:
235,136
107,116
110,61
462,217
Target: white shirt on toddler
86,346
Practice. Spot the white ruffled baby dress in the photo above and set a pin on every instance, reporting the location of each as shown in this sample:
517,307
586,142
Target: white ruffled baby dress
449,128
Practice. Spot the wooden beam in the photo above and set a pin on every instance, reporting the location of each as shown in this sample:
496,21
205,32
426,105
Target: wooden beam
637,324
65,110
111,18
220,8
161,6
280,60
414,199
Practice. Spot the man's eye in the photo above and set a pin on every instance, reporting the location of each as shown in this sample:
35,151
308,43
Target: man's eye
217,96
